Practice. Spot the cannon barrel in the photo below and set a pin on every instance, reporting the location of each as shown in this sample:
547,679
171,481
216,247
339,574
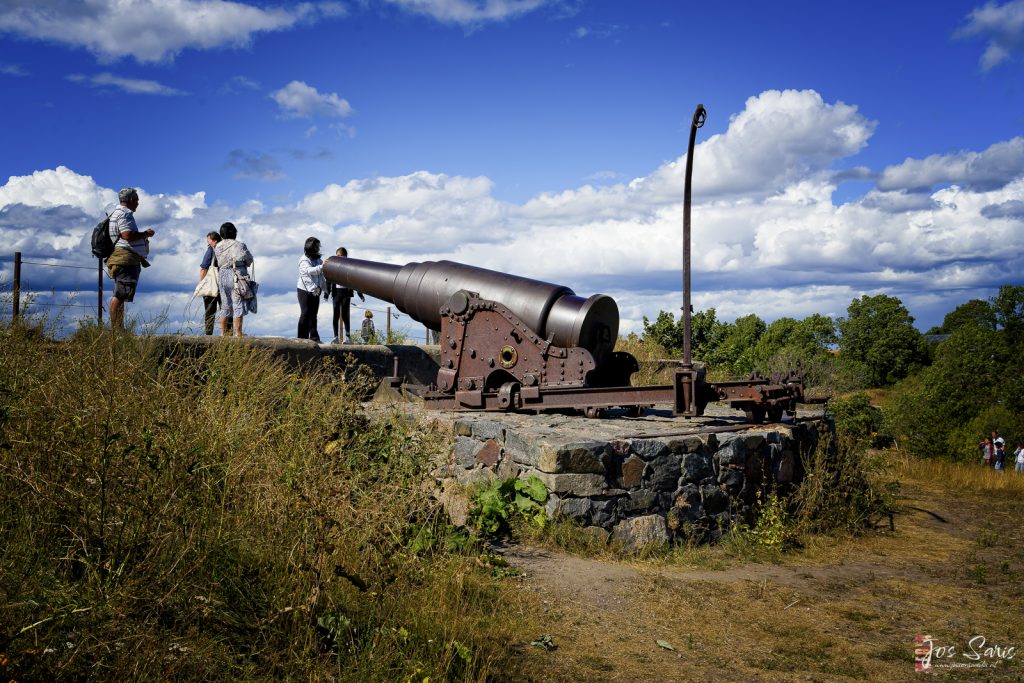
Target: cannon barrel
420,290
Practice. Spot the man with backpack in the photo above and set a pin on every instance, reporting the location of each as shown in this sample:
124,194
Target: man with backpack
131,247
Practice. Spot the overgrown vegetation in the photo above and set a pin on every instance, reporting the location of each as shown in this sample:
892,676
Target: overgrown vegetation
223,518
849,488
503,503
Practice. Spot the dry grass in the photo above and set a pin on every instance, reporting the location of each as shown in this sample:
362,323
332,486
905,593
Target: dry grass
841,608
967,477
656,364
222,518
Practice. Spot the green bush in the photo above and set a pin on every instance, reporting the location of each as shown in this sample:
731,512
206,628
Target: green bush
857,421
499,505
847,487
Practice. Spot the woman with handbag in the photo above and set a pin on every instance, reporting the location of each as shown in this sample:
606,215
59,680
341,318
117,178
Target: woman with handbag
210,292
234,259
310,286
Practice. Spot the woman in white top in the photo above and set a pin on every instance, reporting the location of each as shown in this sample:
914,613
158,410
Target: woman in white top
310,286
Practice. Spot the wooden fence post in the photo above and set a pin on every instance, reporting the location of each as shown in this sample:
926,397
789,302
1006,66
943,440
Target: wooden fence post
99,291
17,286
387,339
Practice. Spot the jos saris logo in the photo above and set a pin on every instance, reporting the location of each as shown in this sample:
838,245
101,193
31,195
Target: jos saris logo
978,652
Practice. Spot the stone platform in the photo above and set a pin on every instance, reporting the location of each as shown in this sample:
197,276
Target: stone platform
651,479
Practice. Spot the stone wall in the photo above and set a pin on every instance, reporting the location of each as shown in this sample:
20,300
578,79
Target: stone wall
651,480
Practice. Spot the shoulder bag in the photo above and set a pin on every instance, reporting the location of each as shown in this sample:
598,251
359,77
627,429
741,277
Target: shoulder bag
246,288
209,285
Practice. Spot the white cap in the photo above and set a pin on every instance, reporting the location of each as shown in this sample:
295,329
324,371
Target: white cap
1000,440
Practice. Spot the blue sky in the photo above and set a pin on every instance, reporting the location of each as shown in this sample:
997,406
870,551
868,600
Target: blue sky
850,149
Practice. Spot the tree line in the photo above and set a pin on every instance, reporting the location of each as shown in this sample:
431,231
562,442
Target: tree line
941,396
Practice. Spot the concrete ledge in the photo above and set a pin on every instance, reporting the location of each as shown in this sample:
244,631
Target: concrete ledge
418,364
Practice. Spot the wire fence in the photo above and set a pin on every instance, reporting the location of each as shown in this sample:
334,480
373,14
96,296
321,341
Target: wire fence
390,316
16,288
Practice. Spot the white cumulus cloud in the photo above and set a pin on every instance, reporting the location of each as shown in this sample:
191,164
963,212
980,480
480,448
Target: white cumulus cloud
58,187
297,99
468,12
989,168
363,200
151,30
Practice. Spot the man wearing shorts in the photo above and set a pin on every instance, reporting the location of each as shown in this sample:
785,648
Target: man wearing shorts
131,247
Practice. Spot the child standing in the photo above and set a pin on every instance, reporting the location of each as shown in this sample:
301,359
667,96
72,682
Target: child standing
368,333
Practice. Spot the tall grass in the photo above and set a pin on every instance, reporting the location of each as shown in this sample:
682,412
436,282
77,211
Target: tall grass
220,518
959,476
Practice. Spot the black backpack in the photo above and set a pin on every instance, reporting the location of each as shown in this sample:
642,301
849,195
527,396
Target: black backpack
102,246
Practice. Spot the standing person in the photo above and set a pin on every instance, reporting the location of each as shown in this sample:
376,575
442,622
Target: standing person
210,303
131,247
986,452
1000,456
232,255
1020,457
367,332
309,287
342,299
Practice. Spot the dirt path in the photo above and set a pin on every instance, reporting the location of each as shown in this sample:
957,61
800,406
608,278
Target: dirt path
844,613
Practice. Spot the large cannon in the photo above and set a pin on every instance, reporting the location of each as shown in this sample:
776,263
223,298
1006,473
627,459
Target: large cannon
421,290
513,343
505,340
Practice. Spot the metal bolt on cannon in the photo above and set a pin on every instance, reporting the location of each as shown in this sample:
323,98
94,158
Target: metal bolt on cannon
511,343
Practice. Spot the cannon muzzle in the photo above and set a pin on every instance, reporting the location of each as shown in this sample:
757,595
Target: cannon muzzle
420,290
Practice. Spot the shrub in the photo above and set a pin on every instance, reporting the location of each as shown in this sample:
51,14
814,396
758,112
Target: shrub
847,488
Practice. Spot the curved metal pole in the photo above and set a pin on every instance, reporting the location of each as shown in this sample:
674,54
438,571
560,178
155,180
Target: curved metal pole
699,116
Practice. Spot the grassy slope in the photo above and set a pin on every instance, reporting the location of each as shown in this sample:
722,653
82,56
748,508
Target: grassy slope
223,518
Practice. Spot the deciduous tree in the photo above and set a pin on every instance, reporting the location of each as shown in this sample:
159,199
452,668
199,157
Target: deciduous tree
975,312
879,333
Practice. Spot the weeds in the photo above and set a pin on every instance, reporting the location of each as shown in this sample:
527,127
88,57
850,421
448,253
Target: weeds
959,476
774,528
503,503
